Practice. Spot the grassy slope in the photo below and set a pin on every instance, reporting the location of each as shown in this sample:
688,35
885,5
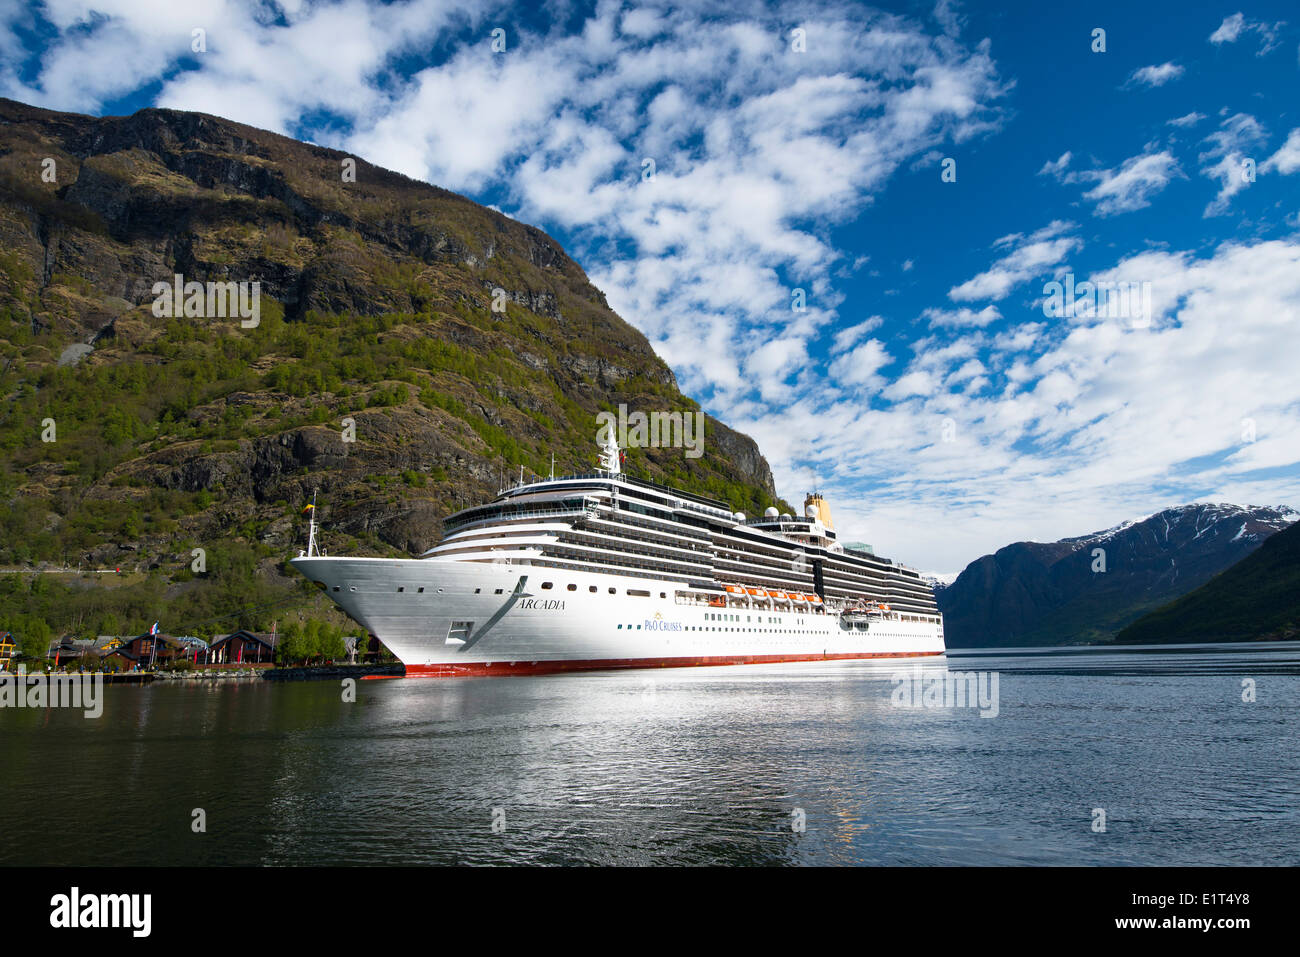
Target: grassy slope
1257,598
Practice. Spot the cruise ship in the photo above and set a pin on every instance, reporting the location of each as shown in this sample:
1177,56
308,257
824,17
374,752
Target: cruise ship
603,570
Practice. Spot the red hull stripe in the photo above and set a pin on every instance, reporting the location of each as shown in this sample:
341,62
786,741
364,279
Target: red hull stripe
496,668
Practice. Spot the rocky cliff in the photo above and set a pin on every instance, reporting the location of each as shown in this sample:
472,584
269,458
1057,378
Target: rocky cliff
413,349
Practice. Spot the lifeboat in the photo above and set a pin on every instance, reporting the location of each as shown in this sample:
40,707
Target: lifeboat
757,592
779,595
815,599
735,590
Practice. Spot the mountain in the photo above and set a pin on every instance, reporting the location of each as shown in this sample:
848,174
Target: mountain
460,344
1033,593
937,581
1257,599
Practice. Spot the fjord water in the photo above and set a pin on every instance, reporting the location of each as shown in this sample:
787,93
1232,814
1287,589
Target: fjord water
689,766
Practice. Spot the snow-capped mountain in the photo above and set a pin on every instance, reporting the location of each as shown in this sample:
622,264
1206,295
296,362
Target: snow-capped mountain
1086,588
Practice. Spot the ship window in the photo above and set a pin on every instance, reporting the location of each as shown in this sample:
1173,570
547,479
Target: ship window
592,589
547,585
401,588
477,590
620,627
497,592
419,591
572,587
613,591
663,594
336,587
638,592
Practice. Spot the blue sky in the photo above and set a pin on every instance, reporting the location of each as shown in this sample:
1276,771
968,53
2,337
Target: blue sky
923,386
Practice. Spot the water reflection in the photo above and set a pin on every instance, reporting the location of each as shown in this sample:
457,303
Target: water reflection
690,766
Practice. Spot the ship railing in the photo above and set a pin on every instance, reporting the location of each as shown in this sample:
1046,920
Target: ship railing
509,516
686,498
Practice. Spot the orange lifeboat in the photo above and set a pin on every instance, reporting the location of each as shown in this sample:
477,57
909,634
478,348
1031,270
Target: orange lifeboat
779,595
756,592
718,602
815,599
735,590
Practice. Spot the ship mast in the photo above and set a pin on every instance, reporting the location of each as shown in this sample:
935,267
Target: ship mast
311,528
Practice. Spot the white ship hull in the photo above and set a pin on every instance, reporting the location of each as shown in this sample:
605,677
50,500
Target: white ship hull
445,618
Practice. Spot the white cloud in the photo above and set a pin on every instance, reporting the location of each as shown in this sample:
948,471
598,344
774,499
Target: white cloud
859,366
1156,75
1225,159
1232,28
1229,30
1287,159
1029,257
1133,184
962,316
1111,417
945,13
324,57
1057,167
850,336
1188,119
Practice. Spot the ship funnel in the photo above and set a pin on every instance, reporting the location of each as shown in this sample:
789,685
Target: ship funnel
815,506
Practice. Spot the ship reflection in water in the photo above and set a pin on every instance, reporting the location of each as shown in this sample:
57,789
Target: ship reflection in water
794,764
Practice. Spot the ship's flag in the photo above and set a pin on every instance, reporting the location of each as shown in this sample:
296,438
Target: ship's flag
307,508
154,629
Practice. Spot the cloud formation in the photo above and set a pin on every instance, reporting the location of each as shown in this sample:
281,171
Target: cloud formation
1155,75
1029,256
